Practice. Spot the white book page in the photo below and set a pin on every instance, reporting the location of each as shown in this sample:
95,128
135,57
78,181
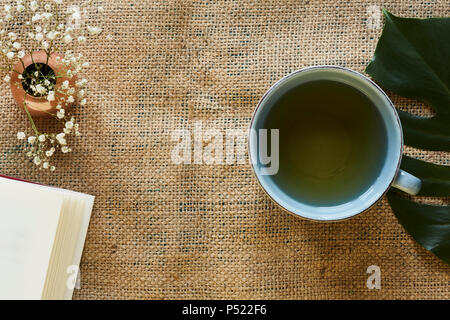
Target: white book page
88,205
28,221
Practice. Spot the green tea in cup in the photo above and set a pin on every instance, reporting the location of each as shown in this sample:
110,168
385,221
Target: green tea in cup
332,142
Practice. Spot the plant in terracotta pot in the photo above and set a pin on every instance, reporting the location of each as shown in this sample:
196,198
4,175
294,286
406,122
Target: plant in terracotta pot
38,40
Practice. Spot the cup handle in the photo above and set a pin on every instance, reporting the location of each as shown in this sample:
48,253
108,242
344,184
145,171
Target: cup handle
407,182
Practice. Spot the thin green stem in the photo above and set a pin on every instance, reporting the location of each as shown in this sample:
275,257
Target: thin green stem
23,64
33,125
48,55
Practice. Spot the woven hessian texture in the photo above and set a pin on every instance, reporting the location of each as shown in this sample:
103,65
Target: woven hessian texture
166,231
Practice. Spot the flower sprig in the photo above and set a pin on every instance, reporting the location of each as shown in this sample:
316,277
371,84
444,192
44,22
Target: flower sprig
34,27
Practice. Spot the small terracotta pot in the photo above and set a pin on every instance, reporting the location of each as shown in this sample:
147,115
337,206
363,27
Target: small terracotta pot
38,106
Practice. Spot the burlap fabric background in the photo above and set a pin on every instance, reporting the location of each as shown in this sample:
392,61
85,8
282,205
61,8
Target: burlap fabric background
166,231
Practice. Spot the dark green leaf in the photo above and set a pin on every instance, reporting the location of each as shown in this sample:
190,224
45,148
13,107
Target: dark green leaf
412,59
435,178
428,225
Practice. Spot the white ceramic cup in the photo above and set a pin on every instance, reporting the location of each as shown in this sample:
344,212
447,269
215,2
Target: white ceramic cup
390,174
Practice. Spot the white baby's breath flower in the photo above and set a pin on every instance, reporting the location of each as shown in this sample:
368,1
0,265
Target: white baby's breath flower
67,38
60,137
74,20
42,27
36,17
94,30
51,96
33,5
50,152
65,85
39,37
65,149
52,35
12,36
81,83
46,15
37,161
40,89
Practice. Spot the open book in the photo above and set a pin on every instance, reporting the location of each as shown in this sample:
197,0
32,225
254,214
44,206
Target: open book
42,233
